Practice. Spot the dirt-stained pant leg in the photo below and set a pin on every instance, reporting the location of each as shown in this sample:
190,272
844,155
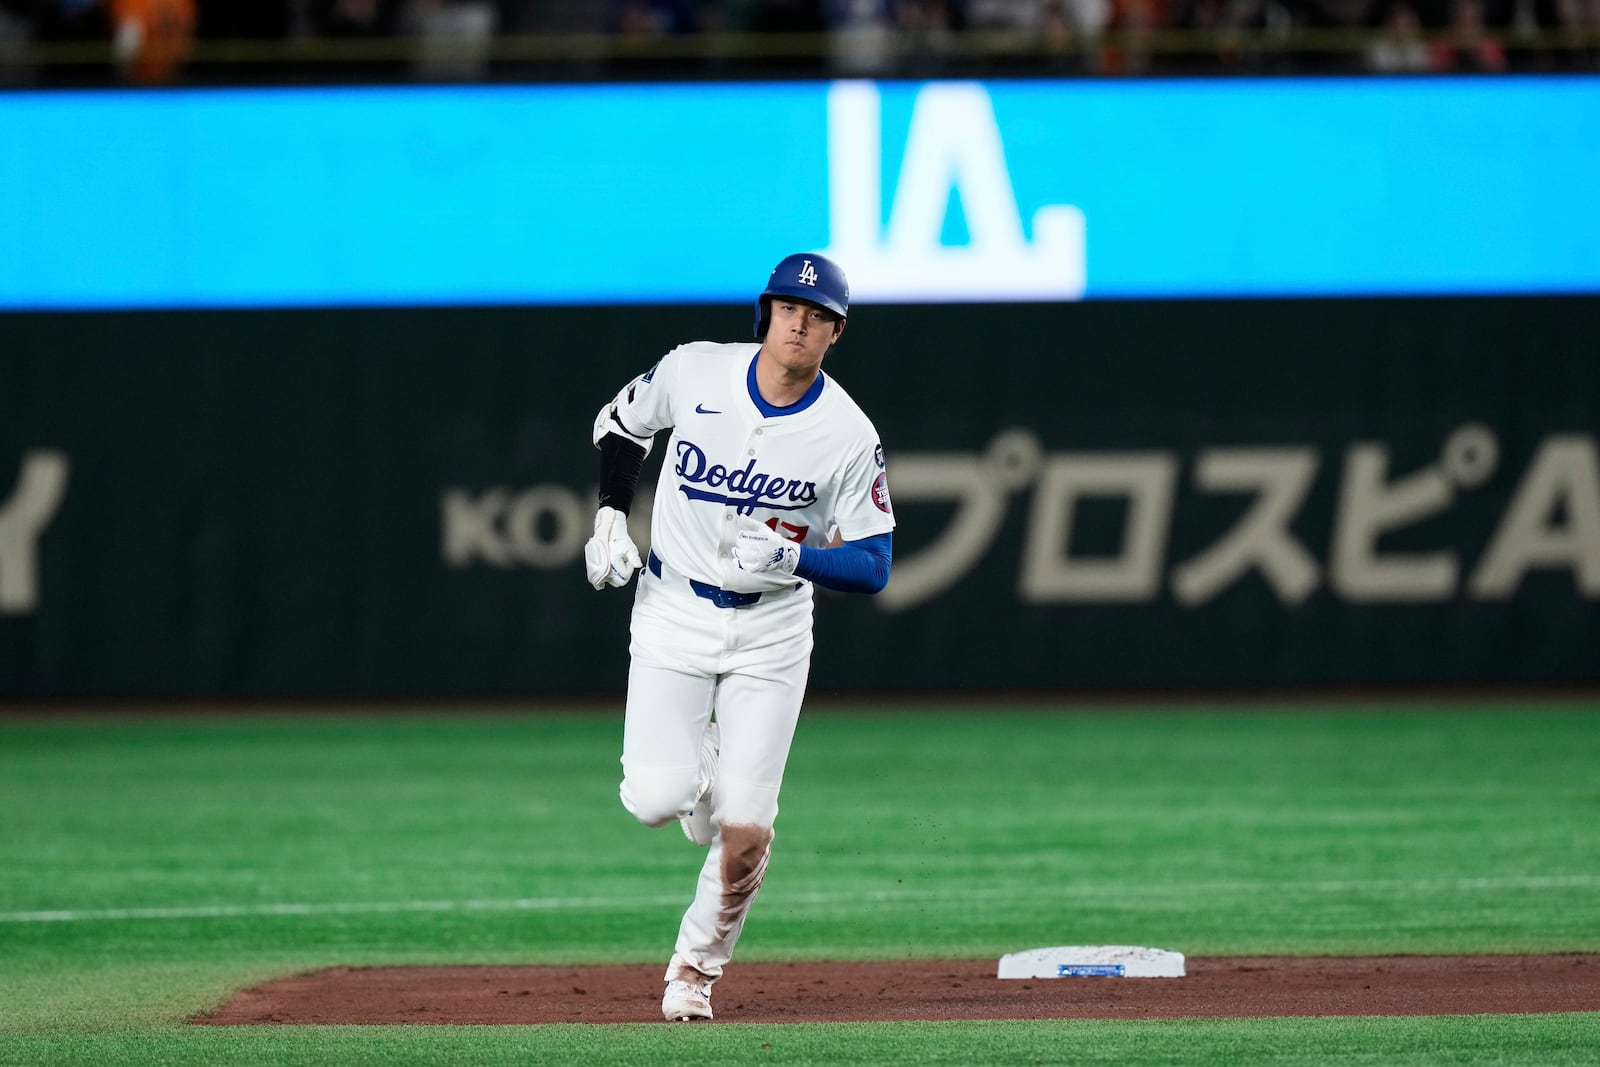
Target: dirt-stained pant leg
749,665
758,717
729,881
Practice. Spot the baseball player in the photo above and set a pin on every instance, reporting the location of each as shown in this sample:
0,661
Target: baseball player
773,481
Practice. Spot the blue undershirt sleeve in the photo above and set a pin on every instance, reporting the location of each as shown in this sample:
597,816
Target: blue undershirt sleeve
853,567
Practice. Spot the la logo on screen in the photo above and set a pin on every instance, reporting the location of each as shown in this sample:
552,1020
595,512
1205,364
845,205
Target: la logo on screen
953,145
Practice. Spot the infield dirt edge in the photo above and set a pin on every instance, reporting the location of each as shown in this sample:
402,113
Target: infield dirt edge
906,990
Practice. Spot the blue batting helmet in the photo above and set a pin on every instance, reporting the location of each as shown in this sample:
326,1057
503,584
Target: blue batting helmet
804,276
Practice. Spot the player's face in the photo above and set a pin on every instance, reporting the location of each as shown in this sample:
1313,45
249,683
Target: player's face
799,334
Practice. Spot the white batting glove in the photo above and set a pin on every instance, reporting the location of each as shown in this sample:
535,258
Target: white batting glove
610,557
759,549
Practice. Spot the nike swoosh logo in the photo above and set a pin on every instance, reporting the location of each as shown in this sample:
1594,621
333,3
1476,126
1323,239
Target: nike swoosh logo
701,409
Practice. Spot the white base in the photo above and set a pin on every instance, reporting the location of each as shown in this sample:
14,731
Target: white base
1092,961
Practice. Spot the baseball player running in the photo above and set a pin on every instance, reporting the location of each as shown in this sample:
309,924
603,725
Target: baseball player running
773,482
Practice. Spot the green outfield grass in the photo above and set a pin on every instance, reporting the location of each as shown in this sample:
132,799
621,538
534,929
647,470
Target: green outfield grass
151,864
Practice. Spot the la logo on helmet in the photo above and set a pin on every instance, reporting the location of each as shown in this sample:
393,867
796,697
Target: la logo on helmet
808,274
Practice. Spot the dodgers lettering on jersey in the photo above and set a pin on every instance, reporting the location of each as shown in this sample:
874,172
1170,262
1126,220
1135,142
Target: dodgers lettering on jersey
806,470
744,489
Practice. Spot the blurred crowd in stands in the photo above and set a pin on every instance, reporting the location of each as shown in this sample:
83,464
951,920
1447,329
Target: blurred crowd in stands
177,41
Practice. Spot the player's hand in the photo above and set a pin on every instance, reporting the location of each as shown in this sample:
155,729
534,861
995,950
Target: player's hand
610,557
759,548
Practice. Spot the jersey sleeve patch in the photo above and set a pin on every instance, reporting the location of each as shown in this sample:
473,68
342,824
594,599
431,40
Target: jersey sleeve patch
880,493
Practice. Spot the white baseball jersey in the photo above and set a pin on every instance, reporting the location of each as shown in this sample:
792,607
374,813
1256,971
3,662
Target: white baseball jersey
816,466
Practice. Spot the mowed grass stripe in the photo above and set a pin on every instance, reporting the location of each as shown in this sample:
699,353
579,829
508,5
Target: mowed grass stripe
808,899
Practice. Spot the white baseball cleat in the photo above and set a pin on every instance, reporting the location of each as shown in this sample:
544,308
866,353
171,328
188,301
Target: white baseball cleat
697,824
686,1002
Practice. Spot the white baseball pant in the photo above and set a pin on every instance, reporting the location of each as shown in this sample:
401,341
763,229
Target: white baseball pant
748,665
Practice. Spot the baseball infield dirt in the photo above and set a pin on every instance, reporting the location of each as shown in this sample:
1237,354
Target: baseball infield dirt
1221,987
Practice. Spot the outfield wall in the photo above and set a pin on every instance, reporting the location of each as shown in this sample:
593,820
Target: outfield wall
1103,494
1208,382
